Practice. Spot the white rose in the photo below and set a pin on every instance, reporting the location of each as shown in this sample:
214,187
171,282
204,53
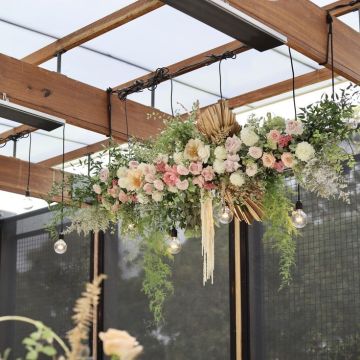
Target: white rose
157,196
123,182
255,152
219,166
237,178
178,158
142,199
97,188
204,153
248,136
121,172
251,169
220,153
304,151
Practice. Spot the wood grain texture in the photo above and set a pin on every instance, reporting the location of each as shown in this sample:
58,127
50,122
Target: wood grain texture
341,11
305,26
79,104
280,88
91,31
14,131
194,62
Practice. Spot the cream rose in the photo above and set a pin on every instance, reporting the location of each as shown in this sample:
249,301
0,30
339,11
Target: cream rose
304,151
268,160
251,169
255,152
157,196
237,178
248,136
121,172
219,166
288,160
121,344
204,153
220,153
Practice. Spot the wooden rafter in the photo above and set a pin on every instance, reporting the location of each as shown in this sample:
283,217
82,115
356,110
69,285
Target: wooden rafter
79,104
305,26
14,131
343,10
280,88
91,31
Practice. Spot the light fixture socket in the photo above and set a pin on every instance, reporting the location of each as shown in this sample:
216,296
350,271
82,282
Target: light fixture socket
61,236
174,232
27,193
298,205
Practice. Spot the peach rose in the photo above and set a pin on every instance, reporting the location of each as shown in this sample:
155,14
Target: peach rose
268,160
288,159
148,188
159,185
273,135
255,152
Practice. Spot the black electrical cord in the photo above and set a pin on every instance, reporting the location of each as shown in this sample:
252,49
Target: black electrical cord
171,96
293,82
29,168
63,182
21,135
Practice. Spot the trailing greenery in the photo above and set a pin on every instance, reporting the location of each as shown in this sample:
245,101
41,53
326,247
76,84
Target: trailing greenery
280,230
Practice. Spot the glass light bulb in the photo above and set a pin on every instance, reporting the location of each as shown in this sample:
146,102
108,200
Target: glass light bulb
299,218
174,245
131,226
224,215
60,246
27,203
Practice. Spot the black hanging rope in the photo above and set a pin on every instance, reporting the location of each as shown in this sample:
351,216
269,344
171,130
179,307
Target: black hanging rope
63,182
15,137
293,82
171,96
29,168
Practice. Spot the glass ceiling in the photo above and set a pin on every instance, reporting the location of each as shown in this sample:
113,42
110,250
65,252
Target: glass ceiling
160,38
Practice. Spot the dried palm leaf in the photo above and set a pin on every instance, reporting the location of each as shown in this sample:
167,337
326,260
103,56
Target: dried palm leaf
217,122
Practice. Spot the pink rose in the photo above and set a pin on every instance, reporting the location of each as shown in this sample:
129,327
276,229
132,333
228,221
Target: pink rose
273,135
255,152
97,189
294,127
123,197
208,173
279,166
199,181
288,159
159,185
209,186
233,144
104,175
233,157
182,185
268,160
113,192
148,188
231,166
195,168
150,178
133,164
284,140
160,166
170,178
182,170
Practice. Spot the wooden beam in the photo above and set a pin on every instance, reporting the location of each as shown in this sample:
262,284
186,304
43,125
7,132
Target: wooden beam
305,26
91,31
343,10
14,131
280,88
78,153
14,172
194,62
79,104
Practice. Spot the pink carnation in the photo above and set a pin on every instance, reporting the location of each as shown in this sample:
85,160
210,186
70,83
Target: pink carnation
160,166
233,144
231,166
209,186
273,135
195,168
284,140
148,188
199,181
208,173
159,185
104,175
279,166
150,178
268,160
113,192
233,157
133,164
182,185
182,170
123,197
170,178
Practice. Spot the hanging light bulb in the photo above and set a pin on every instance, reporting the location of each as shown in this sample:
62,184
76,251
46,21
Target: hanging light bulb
60,245
174,245
298,216
27,201
131,226
223,214
352,123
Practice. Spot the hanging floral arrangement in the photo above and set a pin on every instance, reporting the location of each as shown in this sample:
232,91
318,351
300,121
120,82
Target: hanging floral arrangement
203,169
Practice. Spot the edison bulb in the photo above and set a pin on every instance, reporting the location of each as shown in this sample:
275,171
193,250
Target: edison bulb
224,215
60,245
174,246
299,218
27,203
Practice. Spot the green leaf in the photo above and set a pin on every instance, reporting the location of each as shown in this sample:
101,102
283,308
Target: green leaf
48,350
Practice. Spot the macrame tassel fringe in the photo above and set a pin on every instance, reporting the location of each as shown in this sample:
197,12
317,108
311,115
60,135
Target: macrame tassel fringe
208,236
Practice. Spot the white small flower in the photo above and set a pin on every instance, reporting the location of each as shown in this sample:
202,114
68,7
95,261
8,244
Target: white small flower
204,153
123,182
304,151
162,158
220,153
251,169
219,166
173,189
157,196
248,136
142,199
237,178
178,158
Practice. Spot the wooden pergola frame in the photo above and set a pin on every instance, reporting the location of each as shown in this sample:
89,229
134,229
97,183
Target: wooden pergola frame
85,106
